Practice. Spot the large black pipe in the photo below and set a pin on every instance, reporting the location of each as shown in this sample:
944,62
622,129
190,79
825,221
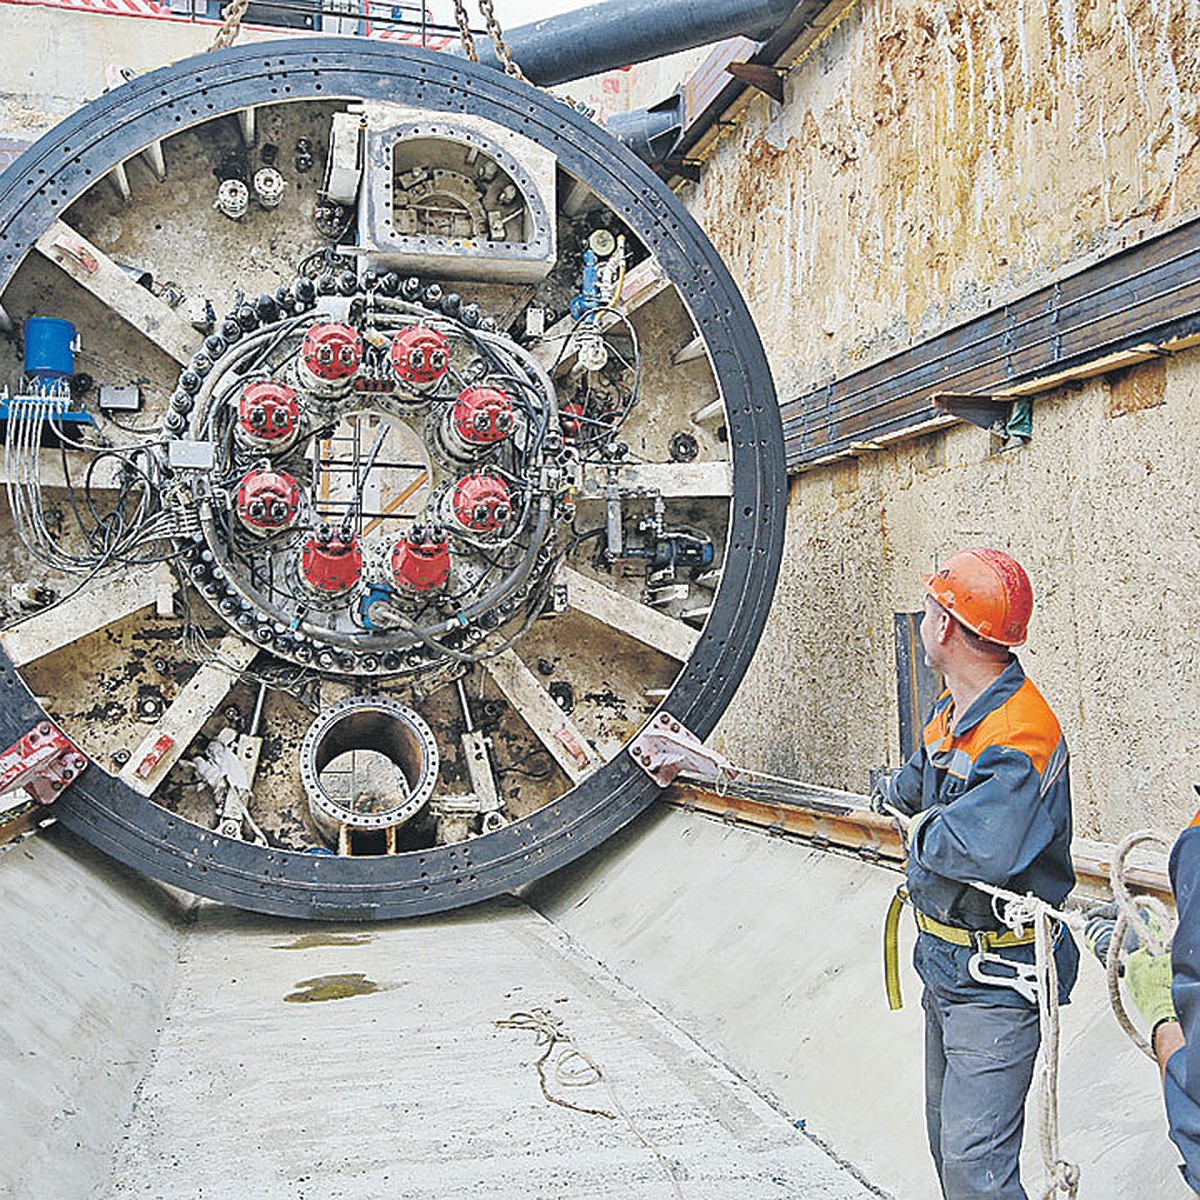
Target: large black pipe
618,33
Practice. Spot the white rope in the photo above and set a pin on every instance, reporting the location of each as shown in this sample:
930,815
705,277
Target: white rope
1020,913
1130,914
727,773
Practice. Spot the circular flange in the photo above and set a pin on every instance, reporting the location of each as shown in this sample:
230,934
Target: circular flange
369,723
71,158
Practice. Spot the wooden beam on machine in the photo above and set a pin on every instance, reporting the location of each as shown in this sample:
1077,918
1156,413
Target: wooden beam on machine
628,616
175,730
87,611
567,746
92,269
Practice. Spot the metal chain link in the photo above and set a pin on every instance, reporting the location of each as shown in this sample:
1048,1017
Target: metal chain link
231,26
503,51
234,13
464,30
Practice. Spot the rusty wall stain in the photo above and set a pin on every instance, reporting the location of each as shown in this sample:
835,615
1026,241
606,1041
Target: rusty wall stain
1136,388
936,158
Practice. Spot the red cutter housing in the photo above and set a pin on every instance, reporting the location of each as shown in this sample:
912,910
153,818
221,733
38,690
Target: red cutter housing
483,416
568,415
330,566
329,358
481,503
421,561
267,501
420,356
268,415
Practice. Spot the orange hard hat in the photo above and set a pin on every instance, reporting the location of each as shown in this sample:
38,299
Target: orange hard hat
987,591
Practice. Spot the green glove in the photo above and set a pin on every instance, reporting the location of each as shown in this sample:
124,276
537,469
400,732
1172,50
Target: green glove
1148,977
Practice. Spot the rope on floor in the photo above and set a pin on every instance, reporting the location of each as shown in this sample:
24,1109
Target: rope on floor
572,1067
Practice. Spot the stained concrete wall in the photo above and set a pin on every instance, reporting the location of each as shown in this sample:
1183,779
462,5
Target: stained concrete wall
934,159
768,953
89,954
93,49
1099,507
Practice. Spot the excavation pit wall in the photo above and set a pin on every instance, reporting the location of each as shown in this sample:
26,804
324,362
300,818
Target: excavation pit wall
1099,508
933,161
728,982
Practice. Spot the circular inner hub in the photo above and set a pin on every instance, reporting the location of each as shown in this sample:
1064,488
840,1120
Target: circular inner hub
344,460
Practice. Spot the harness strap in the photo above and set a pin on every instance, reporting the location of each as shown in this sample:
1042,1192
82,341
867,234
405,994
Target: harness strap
981,940
891,951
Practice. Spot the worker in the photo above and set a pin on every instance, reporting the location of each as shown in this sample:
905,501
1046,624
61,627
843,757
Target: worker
1165,988
985,799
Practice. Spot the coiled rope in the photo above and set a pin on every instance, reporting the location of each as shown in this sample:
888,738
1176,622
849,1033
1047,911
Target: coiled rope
1131,914
573,1067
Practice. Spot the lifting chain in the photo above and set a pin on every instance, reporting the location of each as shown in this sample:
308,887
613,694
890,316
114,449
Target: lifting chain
231,25
234,12
503,50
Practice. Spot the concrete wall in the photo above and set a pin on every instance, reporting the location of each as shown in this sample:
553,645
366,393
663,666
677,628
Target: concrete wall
934,159
768,953
89,954
91,49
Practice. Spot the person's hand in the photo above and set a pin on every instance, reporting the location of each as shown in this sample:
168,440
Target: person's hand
881,789
909,828
1148,978
1097,933
879,795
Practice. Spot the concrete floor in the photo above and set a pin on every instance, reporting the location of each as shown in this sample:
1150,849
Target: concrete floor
392,1079
725,982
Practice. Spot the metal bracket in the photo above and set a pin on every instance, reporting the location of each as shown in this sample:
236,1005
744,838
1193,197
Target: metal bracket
666,747
768,80
1008,417
42,763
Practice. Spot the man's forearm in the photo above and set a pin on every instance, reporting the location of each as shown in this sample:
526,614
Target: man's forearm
1167,1038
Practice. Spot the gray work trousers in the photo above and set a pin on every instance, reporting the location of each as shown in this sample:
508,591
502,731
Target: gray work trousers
978,1066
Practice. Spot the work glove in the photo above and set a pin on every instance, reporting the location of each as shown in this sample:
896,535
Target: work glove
1097,933
910,829
880,794
1148,978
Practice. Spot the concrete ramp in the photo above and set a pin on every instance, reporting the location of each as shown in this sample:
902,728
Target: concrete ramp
769,952
303,1061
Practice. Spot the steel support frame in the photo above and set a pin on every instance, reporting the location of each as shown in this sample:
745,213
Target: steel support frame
58,168
1136,303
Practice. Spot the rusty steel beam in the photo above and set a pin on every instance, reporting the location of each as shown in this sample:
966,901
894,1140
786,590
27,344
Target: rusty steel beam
823,824
1138,303
830,824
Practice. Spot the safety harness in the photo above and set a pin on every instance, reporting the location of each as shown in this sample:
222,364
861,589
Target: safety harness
1021,977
